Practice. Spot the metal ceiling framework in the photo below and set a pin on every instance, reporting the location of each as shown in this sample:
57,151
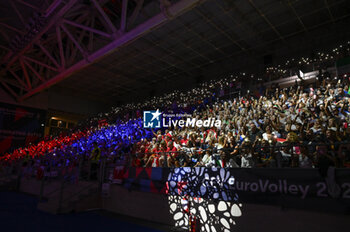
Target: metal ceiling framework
75,33
160,44
85,34
189,43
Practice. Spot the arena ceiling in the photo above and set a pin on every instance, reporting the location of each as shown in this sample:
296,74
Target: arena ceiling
110,49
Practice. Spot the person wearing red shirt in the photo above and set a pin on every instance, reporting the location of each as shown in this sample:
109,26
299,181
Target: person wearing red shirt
140,154
156,159
171,154
184,140
146,153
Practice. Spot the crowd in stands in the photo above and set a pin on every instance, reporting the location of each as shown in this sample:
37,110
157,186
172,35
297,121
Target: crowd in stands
43,147
67,152
299,126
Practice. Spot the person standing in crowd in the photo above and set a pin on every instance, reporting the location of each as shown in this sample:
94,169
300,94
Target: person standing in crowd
94,159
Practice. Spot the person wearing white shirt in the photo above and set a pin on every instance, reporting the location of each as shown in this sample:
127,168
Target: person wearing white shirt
207,159
246,159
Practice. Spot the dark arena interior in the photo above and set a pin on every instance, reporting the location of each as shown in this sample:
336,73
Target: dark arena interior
175,115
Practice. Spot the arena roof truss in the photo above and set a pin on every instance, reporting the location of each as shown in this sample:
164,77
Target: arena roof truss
111,48
70,35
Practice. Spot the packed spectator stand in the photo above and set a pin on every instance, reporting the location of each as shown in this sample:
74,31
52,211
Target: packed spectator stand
303,125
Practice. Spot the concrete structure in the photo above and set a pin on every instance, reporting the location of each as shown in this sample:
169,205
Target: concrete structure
155,208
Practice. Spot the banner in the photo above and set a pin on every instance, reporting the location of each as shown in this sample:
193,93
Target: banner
19,126
297,188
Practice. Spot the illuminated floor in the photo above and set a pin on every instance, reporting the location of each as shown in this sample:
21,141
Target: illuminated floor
18,213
